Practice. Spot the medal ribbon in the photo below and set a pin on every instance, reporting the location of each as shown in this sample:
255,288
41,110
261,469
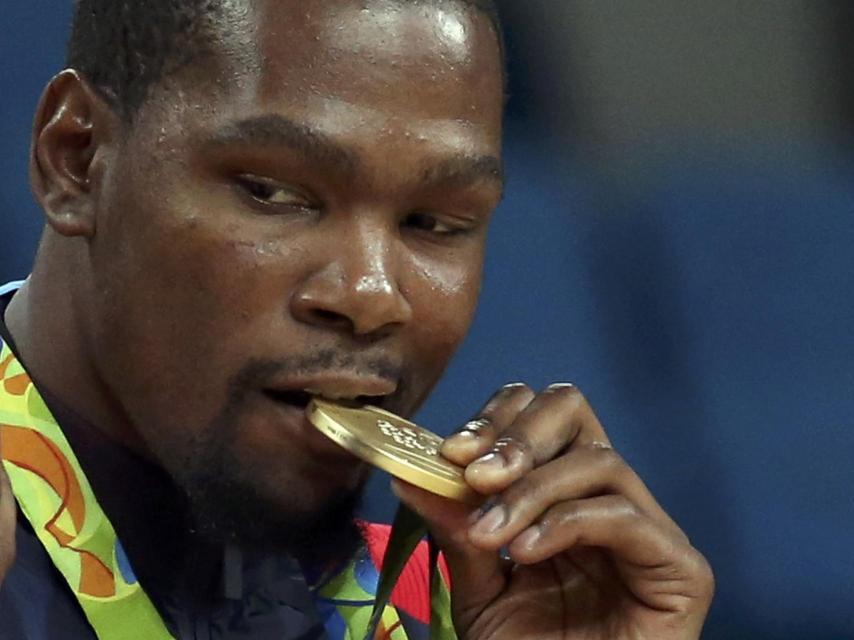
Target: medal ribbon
55,496
407,533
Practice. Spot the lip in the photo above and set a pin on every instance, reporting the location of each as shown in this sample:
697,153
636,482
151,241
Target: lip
333,387
295,422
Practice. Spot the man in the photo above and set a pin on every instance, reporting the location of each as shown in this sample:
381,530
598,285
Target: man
250,203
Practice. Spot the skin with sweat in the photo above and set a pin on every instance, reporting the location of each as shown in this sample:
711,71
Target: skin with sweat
325,211
308,211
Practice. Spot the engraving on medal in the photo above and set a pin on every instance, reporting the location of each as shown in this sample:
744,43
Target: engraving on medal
409,438
424,463
394,445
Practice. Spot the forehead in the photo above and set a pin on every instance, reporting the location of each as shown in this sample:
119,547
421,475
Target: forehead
431,66
445,49
353,68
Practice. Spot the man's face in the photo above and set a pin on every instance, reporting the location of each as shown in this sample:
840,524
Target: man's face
310,218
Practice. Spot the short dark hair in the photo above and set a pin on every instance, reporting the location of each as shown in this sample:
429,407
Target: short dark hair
125,47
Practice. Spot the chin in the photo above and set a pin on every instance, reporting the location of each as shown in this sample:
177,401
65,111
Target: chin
308,522
261,480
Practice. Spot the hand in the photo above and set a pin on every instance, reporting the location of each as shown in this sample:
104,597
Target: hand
592,555
8,512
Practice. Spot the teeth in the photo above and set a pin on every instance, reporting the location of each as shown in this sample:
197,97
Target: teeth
328,395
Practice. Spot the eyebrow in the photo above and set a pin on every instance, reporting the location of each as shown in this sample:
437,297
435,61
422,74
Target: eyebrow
464,170
278,131
274,130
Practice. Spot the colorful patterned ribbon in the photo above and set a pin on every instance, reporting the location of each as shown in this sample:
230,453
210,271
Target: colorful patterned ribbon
57,499
54,495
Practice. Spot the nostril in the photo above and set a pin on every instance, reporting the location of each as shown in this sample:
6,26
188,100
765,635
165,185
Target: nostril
337,304
330,317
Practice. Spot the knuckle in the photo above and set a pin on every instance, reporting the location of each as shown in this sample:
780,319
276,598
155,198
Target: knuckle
708,576
563,516
611,462
691,567
526,489
625,510
699,567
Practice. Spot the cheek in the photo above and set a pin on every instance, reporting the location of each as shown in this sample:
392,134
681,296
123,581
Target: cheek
193,294
444,298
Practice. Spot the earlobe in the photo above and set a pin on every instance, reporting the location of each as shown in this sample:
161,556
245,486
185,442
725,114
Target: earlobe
73,123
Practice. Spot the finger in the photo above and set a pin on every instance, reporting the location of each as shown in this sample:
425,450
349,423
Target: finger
558,418
659,568
478,576
477,437
584,472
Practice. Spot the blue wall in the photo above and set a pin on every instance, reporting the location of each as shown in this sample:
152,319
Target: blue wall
707,314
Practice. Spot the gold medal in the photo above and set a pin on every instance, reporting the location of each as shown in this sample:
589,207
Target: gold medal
393,444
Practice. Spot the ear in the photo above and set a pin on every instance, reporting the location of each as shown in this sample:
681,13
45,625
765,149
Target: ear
73,126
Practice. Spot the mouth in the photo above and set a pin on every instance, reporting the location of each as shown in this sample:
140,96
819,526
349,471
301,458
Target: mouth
292,404
300,399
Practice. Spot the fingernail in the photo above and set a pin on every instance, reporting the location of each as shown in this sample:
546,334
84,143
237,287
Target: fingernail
492,521
494,461
528,538
476,426
481,511
465,436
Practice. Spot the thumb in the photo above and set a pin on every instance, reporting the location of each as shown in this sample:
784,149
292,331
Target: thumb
477,576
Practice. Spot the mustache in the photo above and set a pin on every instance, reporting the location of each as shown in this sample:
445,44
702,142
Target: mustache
258,372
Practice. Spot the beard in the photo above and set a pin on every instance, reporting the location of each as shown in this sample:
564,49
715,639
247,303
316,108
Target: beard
226,508
230,502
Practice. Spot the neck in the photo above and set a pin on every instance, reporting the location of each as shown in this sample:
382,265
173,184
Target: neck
52,342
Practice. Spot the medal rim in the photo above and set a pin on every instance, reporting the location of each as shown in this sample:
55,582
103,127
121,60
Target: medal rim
319,416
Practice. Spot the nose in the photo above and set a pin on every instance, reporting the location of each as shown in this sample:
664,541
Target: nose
357,288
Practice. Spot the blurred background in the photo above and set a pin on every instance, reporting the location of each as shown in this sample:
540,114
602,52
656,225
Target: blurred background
677,239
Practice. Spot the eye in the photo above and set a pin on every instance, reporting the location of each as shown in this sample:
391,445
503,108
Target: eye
271,192
429,223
